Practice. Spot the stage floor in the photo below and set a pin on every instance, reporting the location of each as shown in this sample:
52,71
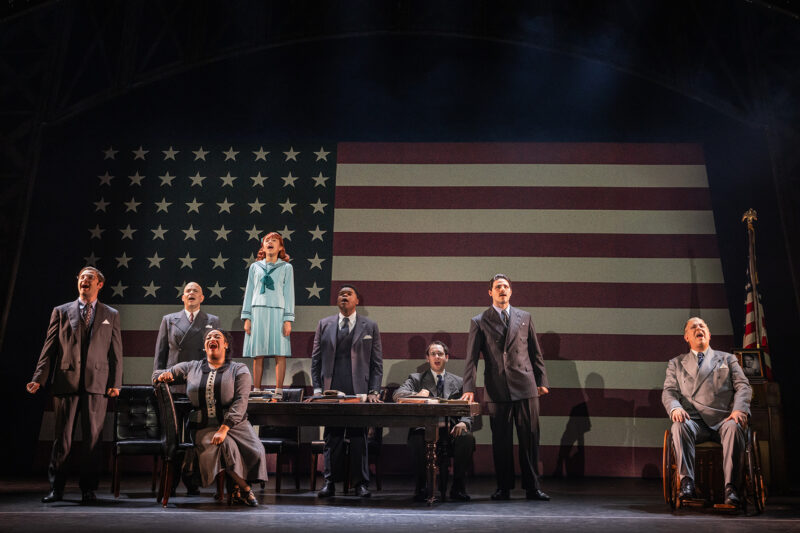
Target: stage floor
610,504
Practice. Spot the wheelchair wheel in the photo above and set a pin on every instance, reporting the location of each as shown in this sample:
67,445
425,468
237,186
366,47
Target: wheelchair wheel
756,494
669,472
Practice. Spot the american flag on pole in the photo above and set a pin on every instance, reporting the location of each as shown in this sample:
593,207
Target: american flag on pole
610,246
750,339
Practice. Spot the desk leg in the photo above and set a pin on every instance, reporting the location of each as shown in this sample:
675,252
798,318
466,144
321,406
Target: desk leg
431,435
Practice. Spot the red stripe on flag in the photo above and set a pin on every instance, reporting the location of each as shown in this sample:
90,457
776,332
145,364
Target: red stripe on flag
521,153
542,294
593,402
627,198
572,347
524,244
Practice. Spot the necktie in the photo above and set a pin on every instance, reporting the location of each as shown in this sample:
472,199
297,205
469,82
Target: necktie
345,329
700,357
439,386
87,315
505,317
191,318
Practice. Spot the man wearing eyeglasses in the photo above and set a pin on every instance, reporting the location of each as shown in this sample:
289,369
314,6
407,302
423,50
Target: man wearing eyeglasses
455,435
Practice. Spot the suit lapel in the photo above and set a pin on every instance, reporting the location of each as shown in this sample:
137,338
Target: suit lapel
709,363
427,382
74,316
513,326
450,386
689,365
493,320
99,317
357,331
190,329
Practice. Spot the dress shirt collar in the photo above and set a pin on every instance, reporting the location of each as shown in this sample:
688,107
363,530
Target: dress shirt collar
500,311
351,320
191,315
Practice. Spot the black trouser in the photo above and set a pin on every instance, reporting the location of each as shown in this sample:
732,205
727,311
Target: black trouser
335,450
459,448
92,409
503,416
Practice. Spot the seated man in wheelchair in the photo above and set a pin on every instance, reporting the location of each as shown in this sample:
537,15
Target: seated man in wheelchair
455,439
707,397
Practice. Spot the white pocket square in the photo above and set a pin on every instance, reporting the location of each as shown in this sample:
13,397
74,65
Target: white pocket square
209,326
723,365
106,321
367,337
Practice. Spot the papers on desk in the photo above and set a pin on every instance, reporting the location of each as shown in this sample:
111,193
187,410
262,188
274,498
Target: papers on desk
336,399
428,400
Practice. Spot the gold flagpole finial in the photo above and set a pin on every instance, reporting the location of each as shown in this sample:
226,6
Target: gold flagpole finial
750,216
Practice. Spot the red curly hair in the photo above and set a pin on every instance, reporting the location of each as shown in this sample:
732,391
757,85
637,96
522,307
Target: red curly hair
262,253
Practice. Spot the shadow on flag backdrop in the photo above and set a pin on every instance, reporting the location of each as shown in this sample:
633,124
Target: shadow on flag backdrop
611,247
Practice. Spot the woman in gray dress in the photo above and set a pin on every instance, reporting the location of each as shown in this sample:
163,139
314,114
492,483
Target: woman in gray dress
225,441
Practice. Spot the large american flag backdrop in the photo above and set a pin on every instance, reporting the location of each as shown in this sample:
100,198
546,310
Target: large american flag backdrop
609,246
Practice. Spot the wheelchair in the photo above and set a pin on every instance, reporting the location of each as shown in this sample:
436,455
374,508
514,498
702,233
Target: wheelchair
710,483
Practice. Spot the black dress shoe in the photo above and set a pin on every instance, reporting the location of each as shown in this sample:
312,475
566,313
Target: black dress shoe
731,498
328,490
537,495
362,491
687,488
459,496
88,497
53,496
192,491
501,494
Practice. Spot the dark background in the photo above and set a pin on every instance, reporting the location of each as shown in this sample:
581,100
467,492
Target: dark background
79,73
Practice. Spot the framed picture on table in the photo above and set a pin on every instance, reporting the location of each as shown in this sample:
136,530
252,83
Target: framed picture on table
752,362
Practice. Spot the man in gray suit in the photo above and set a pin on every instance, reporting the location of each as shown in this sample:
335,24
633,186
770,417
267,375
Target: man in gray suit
436,382
82,359
514,379
347,357
182,334
707,397
181,337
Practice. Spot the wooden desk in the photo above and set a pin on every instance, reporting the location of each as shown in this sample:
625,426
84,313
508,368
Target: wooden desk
365,415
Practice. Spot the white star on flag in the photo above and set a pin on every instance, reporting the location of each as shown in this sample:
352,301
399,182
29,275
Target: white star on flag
319,207
186,262
288,181
261,154
190,233
136,179
200,154
132,205
286,233
222,233
140,153
163,205
105,179
119,289
155,261
216,290
219,261
122,261
101,205
319,181
291,154
194,205
170,154
150,290
255,207
230,154
227,180
166,179
96,232
253,233
313,291
225,206
322,154
287,206
197,179
127,233
316,233
258,180
110,153
316,262
159,232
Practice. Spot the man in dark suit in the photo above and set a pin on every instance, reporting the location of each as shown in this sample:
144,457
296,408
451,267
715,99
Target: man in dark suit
707,397
436,382
181,337
82,359
182,334
347,357
514,379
